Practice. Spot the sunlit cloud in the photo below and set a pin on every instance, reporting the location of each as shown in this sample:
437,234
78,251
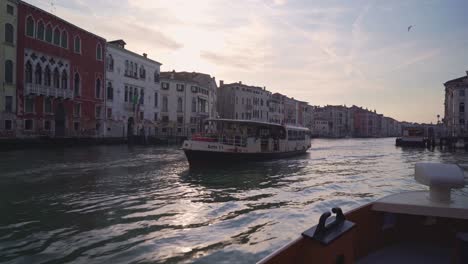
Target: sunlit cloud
279,2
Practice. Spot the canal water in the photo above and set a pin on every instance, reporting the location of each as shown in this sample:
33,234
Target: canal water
119,204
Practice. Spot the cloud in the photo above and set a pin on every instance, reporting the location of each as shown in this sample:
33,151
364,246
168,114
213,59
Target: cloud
422,56
135,26
140,34
241,62
279,2
247,46
359,37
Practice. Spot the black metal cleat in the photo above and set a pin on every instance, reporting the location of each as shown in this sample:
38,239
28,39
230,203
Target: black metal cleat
329,227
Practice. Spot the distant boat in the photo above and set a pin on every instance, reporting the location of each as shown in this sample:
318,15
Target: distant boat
409,227
232,141
412,137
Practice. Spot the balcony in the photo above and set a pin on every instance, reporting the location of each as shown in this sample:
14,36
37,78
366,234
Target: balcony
129,107
38,89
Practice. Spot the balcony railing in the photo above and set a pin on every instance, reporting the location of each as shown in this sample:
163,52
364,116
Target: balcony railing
129,107
38,89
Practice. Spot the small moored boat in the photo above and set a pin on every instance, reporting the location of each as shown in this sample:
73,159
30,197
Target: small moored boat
412,137
227,140
411,227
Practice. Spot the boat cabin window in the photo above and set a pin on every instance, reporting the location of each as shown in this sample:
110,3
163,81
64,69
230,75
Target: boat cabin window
252,130
296,134
274,132
264,132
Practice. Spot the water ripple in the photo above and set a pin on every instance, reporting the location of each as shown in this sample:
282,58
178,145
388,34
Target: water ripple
137,205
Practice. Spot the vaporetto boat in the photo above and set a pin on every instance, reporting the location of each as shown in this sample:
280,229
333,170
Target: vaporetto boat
228,140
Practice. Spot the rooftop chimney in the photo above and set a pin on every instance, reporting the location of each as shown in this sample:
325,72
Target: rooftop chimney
240,82
120,43
172,74
221,82
145,55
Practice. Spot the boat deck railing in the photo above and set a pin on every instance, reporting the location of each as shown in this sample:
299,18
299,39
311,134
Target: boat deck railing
237,141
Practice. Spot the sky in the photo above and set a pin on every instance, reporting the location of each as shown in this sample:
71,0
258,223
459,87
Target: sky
356,52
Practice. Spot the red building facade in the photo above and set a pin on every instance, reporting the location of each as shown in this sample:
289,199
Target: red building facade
60,77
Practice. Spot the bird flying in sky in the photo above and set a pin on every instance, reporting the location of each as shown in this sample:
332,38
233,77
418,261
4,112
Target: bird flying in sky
409,28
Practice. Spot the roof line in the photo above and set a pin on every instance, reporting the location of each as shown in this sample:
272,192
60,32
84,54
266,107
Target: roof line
132,52
179,80
456,80
254,122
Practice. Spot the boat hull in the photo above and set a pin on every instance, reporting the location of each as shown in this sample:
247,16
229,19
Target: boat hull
390,230
399,142
213,158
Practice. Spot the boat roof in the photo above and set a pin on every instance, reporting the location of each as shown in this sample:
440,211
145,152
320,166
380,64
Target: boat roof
255,123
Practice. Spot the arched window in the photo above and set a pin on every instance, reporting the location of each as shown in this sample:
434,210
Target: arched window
462,108
142,72
40,30
130,95
9,33
30,26
110,63
194,104
99,52
56,78
64,40
77,45
57,37
48,34
110,91
48,105
47,77
28,72
98,88
179,104
9,71
76,84
142,96
38,74
165,104
135,96
156,76
64,80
